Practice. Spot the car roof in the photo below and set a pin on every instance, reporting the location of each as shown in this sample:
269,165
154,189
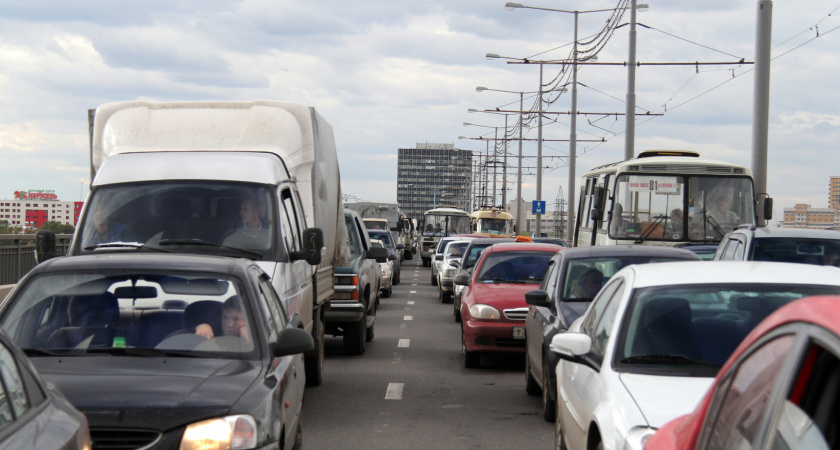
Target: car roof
628,250
769,232
734,272
490,241
143,261
514,246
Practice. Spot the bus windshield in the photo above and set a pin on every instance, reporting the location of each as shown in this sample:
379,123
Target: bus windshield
493,226
680,207
446,225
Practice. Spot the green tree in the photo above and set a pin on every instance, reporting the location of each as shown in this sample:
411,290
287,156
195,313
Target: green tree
58,227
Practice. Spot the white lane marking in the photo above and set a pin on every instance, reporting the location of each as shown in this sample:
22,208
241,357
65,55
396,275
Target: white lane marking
414,284
394,392
410,302
404,343
412,292
408,318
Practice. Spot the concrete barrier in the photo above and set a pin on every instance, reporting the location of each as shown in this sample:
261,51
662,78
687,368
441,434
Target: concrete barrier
4,290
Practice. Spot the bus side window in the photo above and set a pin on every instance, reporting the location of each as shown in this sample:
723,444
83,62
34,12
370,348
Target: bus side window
587,204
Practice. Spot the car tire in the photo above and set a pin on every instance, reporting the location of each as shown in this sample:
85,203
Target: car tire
457,311
369,333
559,444
355,336
313,366
531,386
547,403
387,292
472,360
434,280
298,437
397,280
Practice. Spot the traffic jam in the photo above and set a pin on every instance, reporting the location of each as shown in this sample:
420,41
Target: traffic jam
193,313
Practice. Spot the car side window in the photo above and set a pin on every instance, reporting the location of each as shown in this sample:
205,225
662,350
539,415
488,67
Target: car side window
809,415
731,250
275,306
264,301
549,283
13,399
600,335
744,399
597,309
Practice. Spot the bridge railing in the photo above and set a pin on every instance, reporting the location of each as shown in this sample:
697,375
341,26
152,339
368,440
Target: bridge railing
17,254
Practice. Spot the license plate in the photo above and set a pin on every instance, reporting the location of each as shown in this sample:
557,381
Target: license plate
519,332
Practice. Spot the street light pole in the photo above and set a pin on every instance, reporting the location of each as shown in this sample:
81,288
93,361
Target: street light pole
504,168
495,160
519,172
573,137
630,113
539,149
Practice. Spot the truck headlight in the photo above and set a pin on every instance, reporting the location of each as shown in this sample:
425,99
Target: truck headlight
484,312
230,432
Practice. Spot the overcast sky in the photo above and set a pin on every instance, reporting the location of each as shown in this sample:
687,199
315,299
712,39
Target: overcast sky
388,74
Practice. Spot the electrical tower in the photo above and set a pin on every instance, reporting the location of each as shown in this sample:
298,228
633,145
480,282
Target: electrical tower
559,214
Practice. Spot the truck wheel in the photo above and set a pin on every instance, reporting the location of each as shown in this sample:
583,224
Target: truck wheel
409,255
313,366
355,336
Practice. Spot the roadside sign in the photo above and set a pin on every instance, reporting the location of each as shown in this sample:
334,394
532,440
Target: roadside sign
538,207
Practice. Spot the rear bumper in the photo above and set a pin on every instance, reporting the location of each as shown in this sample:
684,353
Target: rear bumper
344,311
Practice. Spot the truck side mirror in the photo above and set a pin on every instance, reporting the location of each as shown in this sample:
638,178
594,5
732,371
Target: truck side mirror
44,246
764,209
313,247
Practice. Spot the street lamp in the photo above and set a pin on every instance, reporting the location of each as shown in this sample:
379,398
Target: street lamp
631,97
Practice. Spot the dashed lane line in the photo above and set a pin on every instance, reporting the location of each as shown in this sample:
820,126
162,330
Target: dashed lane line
394,392
404,343
408,318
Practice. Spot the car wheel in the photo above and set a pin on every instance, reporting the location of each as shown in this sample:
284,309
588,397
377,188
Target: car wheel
559,444
298,437
547,403
387,292
396,279
472,360
440,293
447,297
355,337
457,311
434,280
369,332
314,366
531,386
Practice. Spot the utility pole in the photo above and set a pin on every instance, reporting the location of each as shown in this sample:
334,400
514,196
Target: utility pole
761,103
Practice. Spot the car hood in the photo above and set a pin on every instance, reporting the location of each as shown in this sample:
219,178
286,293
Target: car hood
509,295
664,398
159,393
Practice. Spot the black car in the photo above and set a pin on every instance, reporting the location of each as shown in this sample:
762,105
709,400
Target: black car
161,351
393,249
34,414
573,278
471,256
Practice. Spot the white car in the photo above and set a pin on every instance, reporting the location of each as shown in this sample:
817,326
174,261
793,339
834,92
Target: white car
437,256
650,344
387,269
449,266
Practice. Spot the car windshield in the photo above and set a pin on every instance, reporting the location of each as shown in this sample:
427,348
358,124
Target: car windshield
584,277
119,313
825,252
694,329
442,245
228,219
516,266
383,236
473,254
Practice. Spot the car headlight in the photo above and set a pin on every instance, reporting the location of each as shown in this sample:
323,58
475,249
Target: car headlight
231,432
449,272
386,271
636,438
484,312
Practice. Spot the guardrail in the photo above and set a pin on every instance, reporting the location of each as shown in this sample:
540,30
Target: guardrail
17,254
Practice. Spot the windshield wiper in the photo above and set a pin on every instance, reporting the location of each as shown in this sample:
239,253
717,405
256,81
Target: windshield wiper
38,352
129,245
208,244
666,359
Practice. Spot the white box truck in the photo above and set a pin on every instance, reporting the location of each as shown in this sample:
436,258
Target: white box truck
253,179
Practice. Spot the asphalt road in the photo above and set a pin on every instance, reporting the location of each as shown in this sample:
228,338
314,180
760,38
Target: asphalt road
410,389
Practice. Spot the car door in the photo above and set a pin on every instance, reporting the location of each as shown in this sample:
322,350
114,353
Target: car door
286,370
580,385
539,318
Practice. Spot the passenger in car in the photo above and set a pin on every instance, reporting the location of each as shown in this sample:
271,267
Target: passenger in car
588,285
233,321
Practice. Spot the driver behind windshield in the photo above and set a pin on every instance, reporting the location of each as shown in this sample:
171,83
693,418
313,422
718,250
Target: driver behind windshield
104,229
233,321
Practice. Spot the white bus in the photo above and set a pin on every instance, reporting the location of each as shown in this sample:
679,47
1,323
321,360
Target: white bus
438,223
665,197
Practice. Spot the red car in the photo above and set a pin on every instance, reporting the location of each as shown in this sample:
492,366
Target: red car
779,389
493,310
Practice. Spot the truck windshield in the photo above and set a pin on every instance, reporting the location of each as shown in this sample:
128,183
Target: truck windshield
229,219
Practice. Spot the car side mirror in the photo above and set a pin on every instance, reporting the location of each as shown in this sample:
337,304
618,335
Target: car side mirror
439,257
400,246
461,279
392,257
537,298
313,247
291,341
571,345
44,246
380,254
